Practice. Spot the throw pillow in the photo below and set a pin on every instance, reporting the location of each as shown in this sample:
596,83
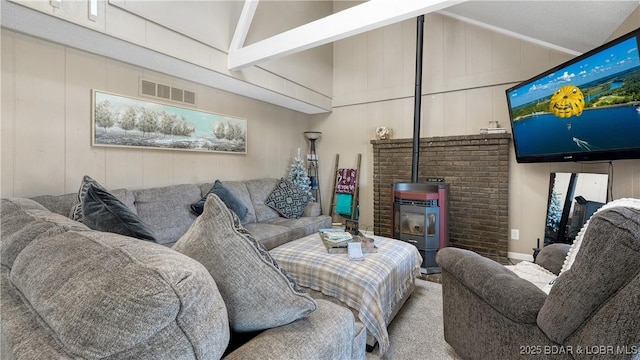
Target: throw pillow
104,212
76,209
287,199
230,200
257,292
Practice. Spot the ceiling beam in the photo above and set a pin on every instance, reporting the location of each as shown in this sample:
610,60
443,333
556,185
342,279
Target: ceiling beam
361,18
510,33
244,22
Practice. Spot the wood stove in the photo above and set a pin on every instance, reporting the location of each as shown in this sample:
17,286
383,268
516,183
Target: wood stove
420,218
420,209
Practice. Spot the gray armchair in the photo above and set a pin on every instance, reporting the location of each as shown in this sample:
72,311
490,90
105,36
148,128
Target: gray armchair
591,311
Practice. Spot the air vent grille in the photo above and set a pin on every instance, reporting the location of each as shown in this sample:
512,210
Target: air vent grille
148,88
167,92
176,94
164,91
189,97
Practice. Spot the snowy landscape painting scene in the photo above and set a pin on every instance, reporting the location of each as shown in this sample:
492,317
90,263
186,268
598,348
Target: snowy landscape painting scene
125,121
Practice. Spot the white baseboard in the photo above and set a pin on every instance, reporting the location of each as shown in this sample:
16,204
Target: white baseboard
520,256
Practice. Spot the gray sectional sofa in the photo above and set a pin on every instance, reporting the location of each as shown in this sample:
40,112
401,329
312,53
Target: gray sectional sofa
167,210
591,311
72,292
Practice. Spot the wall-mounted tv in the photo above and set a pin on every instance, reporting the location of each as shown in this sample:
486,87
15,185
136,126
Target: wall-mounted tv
585,109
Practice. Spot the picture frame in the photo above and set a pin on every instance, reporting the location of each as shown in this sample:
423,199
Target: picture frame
124,121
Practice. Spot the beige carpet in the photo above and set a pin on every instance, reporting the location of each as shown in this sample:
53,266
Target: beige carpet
416,332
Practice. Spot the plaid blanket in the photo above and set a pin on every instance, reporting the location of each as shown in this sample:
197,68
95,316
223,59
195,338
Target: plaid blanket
373,286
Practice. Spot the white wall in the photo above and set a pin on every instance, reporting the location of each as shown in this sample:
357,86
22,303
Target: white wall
46,95
466,71
46,118
199,32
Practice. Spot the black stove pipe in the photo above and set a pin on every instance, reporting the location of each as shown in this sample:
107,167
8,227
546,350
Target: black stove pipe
417,102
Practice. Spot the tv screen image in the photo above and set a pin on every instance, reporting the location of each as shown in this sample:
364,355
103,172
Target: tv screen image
585,109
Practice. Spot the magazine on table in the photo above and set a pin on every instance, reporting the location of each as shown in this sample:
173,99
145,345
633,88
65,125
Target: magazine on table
336,235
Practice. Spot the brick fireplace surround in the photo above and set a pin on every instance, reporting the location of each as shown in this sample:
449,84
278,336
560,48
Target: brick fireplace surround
476,167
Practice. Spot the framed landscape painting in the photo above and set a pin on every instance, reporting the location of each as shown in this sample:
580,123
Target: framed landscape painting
129,122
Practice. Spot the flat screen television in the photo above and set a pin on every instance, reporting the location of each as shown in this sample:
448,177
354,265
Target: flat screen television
585,109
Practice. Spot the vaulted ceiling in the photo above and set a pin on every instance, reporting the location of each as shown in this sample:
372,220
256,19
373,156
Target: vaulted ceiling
571,26
574,27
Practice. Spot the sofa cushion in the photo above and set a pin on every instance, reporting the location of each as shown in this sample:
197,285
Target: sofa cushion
104,212
76,210
239,189
59,204
552,256
312,209
167,210
62,204
287,199
299,228
608,259
102,294
270,235
514,298
301,339
24,220
229,199
258,294
259,189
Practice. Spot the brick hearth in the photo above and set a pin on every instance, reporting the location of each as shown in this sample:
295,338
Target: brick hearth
476,167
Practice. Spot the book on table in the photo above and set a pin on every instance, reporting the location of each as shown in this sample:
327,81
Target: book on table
338,236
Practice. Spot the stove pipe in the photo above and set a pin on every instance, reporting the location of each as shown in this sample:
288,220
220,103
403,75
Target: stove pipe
417,102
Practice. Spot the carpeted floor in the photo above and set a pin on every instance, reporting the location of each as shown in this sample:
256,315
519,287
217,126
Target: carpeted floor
417,332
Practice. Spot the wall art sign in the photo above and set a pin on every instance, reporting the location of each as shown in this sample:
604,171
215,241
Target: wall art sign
124,121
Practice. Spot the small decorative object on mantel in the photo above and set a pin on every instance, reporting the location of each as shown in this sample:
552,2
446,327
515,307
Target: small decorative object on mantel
384,133
493,131
493,128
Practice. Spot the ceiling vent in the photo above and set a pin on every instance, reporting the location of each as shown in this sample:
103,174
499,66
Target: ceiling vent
167,92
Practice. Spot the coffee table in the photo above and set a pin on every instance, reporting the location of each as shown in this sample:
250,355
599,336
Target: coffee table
374,288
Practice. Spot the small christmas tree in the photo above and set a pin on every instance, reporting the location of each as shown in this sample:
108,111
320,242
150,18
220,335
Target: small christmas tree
298,175
555,212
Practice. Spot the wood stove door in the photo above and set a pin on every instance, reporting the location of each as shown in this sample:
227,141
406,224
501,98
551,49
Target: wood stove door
418,225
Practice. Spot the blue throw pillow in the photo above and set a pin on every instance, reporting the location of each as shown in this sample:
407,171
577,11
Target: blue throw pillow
230,200
104,212
76,209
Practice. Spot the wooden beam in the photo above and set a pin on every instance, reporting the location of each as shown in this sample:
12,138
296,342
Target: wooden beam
244,22
510,33
370,15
